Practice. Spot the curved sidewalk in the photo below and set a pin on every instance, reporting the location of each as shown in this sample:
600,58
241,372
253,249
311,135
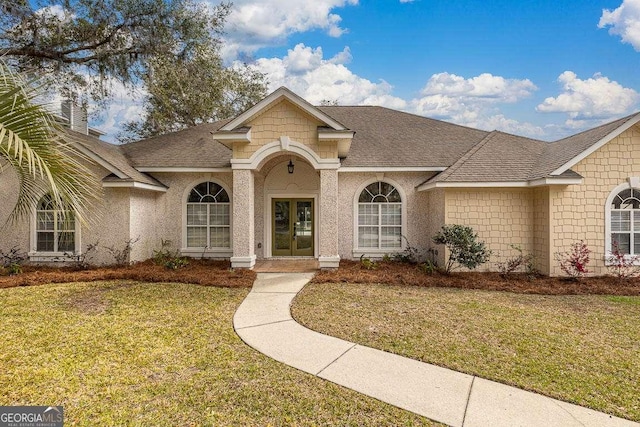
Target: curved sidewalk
264,322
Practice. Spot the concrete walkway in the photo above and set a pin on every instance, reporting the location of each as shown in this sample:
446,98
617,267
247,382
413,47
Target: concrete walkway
264,322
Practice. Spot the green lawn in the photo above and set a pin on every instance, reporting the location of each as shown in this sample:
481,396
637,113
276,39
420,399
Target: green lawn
581,349
126,353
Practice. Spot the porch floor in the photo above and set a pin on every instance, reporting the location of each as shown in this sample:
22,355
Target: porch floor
286,266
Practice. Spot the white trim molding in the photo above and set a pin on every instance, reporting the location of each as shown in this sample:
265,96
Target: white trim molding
607,215
243,261
285,144
502,184
597,145
133,184
182,170
392,169
329,262
333,135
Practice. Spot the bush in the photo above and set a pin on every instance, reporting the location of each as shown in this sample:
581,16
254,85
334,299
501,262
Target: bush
574,262
622,265
465,250
170,259
517,263
367,264
11,261
122,256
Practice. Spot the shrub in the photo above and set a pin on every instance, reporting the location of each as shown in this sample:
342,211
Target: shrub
410,255
121,255
465,250
622,265
574,262
12,260
170,259
367,264
517,263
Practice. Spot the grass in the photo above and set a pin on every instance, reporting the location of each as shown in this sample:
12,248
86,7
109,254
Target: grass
582,349
129,353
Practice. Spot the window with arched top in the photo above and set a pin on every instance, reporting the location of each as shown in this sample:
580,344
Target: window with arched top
208,217
55,228
625,221
380,217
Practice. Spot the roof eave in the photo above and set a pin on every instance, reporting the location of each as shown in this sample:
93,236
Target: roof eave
566,166
427,186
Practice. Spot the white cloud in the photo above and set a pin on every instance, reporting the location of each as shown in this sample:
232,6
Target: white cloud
624,22
305,71
596,98
406,1
485,86
258,23
474,101
125,105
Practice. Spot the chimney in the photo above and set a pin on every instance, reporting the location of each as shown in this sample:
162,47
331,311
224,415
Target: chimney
76,115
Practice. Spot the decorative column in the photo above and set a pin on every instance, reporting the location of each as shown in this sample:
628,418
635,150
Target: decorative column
328,256
243,219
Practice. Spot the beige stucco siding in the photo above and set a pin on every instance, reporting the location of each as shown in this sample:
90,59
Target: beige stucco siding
577,212
502,217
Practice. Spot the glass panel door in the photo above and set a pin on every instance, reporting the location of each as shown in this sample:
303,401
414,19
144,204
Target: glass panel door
282,230
292,227
303,228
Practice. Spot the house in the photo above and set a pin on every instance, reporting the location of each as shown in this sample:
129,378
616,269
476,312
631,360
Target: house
288,179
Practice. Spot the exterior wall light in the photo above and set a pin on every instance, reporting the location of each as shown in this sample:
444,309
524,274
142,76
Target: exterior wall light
290,166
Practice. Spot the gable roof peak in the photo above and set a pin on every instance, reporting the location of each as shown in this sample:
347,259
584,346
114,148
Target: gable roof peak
276,96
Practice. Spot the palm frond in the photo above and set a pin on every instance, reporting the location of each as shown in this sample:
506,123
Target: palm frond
38,149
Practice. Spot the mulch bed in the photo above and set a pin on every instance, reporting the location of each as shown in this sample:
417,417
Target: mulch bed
394,273
219,273
201,272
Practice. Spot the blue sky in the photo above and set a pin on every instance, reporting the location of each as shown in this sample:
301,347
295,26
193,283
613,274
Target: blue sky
543,69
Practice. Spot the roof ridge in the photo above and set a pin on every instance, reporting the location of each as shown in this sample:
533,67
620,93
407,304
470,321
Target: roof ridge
406,113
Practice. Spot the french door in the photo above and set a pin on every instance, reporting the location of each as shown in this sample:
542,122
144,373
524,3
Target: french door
292,227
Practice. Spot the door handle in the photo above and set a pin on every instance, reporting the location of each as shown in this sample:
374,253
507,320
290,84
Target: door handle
294,232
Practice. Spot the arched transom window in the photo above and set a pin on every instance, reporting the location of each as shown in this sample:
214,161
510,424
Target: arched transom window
208,218
55,228
625,221
380,217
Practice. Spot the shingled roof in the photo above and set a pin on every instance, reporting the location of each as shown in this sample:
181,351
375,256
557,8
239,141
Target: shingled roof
190,148
113,159
390,138
385,138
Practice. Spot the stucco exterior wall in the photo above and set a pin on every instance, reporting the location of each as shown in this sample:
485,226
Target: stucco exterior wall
142,223
435,218
283,118
14,233
501,217
577,212
416,208
170,208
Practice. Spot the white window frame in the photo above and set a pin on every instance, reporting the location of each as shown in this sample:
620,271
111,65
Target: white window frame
380,251
206,252
607,223
55,255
